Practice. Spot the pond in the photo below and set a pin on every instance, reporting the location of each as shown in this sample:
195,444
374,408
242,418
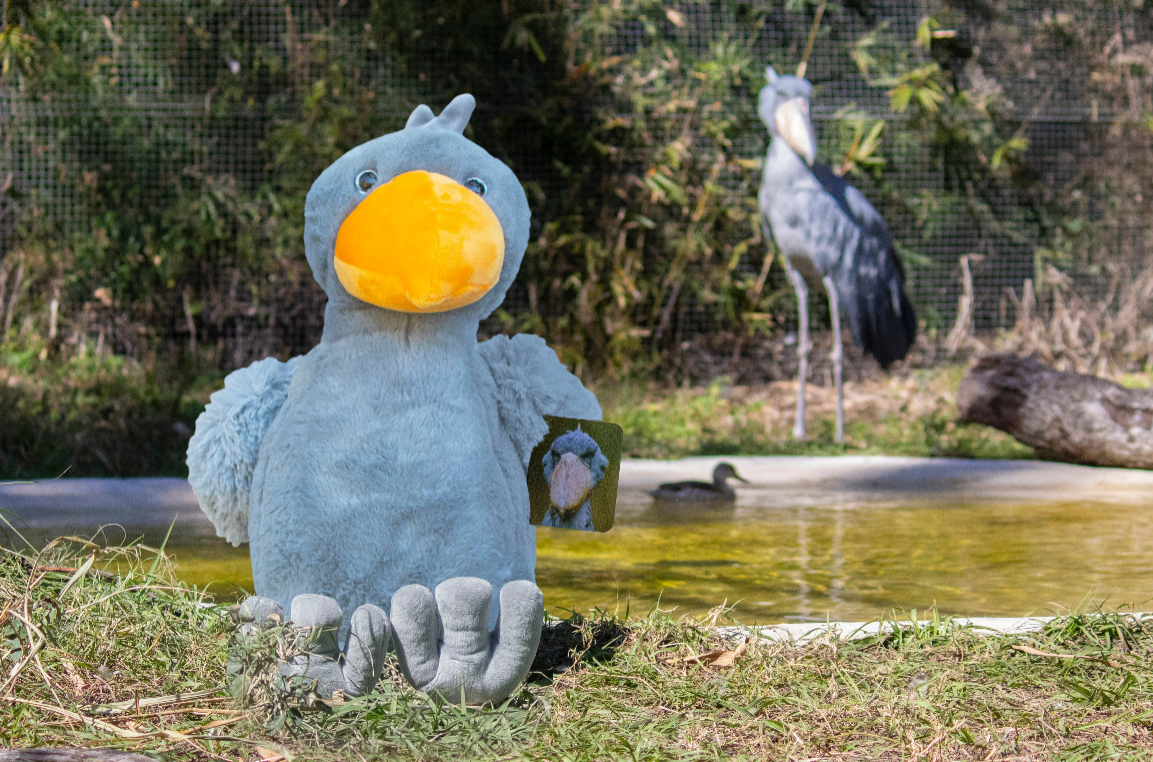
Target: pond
783,555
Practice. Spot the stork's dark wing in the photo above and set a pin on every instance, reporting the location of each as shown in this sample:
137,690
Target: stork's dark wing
853,204
857,247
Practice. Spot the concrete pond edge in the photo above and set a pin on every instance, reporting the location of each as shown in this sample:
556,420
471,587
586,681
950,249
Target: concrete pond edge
160,501
800,633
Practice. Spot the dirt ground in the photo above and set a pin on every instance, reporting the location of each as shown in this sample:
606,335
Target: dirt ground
905,393
760,359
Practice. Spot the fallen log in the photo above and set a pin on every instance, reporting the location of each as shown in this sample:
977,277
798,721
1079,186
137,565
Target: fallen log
1064,416
62,754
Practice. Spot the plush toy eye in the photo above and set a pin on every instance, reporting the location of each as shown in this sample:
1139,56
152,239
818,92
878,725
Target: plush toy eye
366,181
476,185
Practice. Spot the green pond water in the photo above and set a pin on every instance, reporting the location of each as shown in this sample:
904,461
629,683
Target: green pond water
802,558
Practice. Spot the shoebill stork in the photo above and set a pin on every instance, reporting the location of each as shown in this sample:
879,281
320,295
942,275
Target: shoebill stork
830,234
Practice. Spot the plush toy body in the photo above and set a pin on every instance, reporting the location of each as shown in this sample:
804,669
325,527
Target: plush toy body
398,450
391,460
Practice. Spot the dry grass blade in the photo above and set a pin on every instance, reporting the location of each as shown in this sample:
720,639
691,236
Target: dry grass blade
721,658
1082,332
1034,652
58,754
84,567
67,569
93,722
804,64
174,698
218,723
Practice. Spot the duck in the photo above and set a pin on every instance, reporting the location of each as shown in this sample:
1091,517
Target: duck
573,466
717,490
385,471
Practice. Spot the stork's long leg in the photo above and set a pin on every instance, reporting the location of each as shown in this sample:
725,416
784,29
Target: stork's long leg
803,345
837,355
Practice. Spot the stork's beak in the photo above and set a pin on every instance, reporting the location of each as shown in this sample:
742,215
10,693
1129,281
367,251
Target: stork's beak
421,242
793,125
570,482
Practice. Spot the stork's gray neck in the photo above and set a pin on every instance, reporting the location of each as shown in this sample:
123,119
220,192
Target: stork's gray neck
784,168
346,319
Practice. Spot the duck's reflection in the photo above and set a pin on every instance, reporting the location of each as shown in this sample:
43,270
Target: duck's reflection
680,512
809,551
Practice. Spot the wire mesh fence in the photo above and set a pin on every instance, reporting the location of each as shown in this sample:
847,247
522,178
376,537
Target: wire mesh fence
176,66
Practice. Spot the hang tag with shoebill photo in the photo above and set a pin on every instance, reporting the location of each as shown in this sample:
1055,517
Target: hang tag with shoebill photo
573,474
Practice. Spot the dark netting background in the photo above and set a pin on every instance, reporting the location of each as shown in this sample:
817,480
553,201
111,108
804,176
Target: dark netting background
169,88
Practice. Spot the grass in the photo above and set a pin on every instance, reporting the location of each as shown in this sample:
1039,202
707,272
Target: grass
75,643
103,416
909,414
94,415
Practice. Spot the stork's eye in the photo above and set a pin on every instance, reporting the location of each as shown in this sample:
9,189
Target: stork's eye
476,185
366,181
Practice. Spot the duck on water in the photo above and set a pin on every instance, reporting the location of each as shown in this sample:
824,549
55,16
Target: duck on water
716,491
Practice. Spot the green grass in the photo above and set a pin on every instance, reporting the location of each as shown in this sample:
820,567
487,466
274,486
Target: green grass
94,415
710,421
105,416
604,688
1136,380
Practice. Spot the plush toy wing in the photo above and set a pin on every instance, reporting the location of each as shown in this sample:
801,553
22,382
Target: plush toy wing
222,453
531,382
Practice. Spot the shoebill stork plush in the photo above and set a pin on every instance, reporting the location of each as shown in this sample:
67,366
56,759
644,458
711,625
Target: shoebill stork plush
827,231
388,466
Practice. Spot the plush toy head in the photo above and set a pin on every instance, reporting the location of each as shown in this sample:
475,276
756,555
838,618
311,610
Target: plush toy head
418,221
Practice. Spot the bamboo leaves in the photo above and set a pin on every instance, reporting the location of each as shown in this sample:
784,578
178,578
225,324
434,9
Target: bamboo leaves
919,86
689,210
1009,150
861,153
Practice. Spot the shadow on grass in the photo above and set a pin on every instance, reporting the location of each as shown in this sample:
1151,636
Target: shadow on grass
566,643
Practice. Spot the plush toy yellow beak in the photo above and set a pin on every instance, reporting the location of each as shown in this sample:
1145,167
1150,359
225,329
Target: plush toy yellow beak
421,242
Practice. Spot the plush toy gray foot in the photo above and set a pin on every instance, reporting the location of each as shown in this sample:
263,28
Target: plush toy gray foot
257,612
444,644
354,670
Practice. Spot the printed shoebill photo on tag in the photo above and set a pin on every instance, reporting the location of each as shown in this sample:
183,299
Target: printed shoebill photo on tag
573,474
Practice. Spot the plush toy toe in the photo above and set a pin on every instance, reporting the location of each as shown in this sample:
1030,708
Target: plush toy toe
257,612
354,670
445,646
